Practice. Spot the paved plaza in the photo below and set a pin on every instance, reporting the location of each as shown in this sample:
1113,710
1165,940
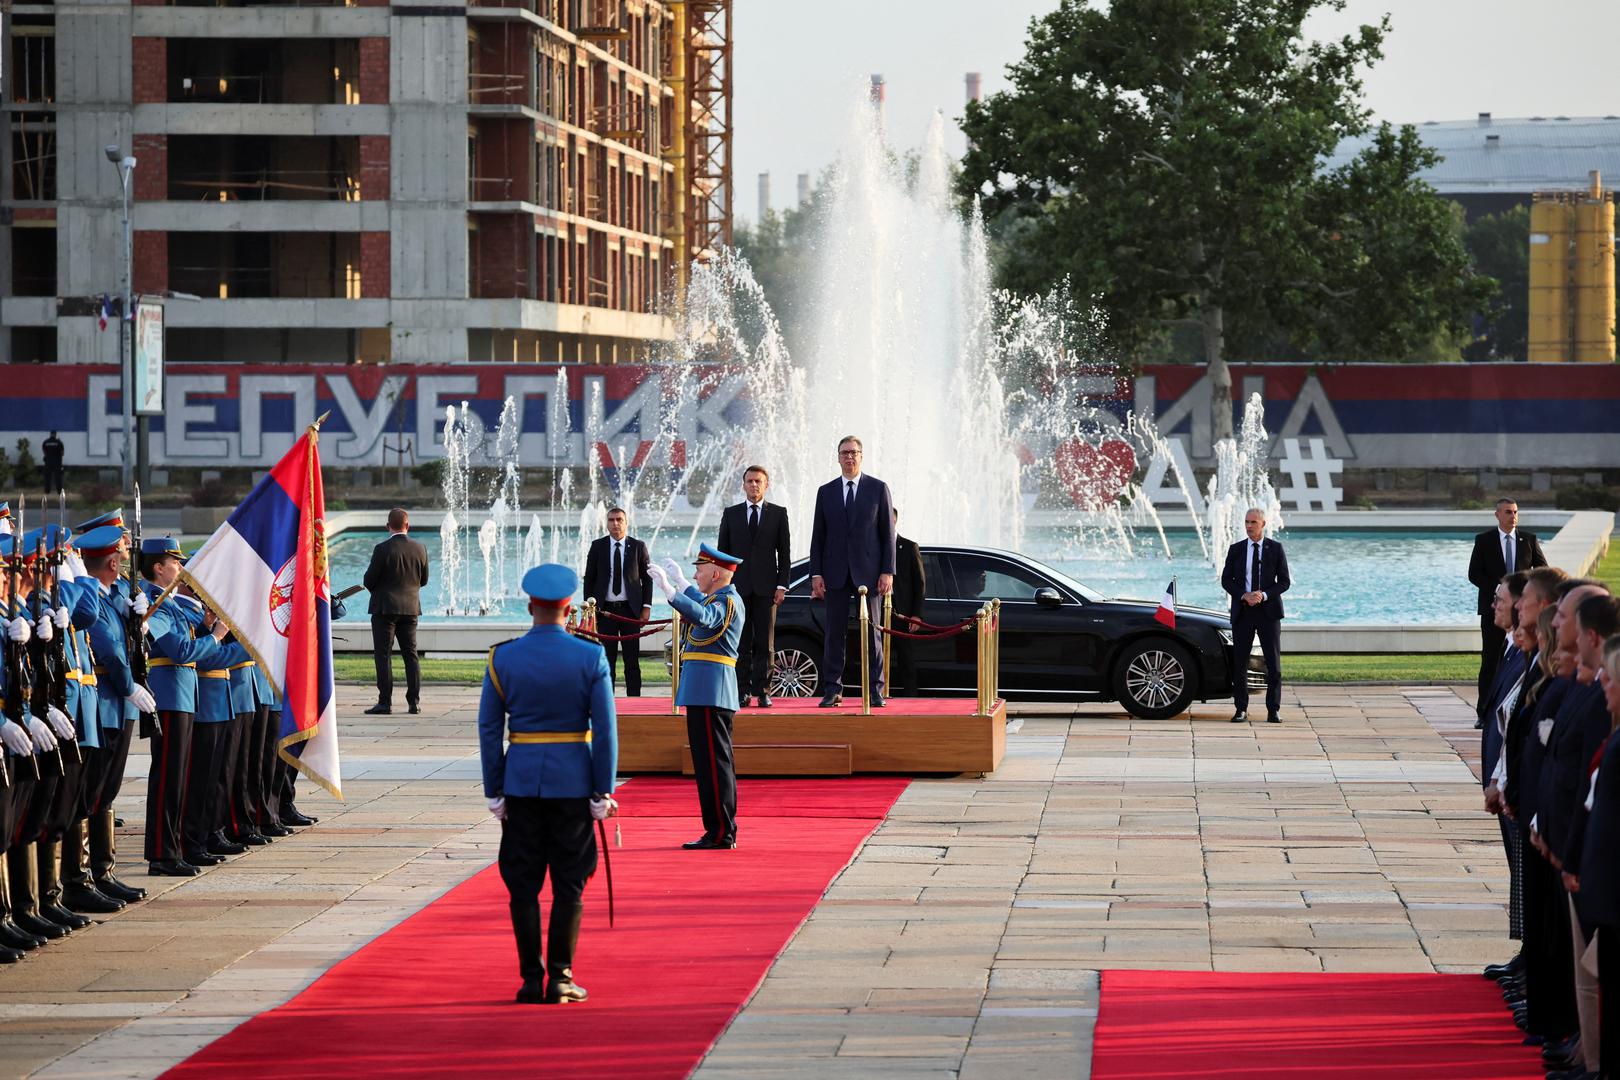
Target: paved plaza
965,938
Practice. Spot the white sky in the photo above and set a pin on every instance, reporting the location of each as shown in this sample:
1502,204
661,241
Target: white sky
799,64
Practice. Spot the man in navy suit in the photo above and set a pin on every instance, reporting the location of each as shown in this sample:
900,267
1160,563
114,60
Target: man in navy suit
1255,577
851,544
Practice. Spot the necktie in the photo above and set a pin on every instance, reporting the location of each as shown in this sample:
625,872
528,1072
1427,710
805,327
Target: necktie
1507,552
753,523
1254,578
849,494
618,568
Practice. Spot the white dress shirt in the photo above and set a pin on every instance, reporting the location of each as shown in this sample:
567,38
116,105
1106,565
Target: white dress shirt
616,548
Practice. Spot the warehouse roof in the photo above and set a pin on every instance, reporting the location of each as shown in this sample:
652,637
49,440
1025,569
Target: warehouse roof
1489,155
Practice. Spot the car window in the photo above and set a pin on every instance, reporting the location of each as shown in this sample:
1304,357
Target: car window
936,577
981,578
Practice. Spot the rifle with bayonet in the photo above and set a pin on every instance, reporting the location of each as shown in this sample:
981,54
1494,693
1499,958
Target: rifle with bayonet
19,677
51,674
135,626
54,660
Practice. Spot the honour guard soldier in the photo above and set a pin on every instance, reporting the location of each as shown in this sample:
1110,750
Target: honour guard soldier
713,629
552,692
5,519
176,654
119,698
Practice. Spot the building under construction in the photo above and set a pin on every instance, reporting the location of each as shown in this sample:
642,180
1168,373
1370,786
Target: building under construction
508,180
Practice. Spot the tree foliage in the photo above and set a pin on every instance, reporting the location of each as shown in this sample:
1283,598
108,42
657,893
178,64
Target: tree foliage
1166,157
1500,246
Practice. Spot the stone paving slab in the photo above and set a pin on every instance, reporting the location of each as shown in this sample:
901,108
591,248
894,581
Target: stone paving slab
963,941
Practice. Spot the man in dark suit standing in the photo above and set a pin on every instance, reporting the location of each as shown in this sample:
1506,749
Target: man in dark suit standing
398,570
758,531
851,544
616,578
1255,577
1497,553
910,588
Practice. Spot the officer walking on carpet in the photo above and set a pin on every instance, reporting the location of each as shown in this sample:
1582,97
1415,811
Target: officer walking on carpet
714,616
552,692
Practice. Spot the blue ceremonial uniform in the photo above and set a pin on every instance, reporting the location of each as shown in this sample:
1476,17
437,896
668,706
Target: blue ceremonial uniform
176,654
710,635
552,692
83,603
114,682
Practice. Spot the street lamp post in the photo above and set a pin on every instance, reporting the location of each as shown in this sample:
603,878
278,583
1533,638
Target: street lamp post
126,325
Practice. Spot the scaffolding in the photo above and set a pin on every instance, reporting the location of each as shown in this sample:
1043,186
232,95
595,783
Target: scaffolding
707,165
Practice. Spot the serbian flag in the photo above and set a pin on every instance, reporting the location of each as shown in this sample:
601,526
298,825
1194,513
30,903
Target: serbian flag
1167,607
265,573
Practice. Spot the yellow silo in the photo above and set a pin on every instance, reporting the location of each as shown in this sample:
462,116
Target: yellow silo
1552,226
1593,279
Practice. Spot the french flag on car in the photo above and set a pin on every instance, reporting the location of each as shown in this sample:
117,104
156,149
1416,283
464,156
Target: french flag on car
265,573
1167,606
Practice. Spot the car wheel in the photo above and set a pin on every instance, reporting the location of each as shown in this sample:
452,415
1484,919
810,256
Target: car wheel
797,674
1153,678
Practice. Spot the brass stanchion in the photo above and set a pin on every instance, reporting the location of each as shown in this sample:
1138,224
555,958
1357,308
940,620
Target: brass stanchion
866,656
674,658
888,642
590,615
978,654
995,653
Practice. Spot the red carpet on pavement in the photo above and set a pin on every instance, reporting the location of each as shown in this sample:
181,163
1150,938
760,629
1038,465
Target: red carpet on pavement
910,706
696,932
1351,1026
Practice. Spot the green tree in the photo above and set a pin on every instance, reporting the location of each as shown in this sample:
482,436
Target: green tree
23,471
1500,246
1169,155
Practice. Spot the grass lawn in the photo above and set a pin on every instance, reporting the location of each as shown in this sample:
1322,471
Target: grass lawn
1608,568
1301,668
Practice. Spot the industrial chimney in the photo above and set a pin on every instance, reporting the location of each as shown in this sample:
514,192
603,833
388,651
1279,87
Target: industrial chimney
804,188
975,86
764,195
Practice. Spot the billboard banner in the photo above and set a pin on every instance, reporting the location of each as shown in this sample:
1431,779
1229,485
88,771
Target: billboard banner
148,366
1501,416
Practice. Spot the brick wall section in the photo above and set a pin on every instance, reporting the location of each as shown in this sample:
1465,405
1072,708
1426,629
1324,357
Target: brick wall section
151,260
152,172
373,69
375,274
149,59
374,167
503,252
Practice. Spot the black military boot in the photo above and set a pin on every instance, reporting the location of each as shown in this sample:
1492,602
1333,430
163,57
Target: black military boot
78,890
25,895
50,887
561,989
104,860
526,929
12,936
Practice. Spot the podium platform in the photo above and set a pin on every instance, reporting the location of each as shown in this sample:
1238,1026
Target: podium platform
796,738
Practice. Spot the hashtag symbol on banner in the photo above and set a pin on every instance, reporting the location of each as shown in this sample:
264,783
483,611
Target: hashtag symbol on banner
1311,476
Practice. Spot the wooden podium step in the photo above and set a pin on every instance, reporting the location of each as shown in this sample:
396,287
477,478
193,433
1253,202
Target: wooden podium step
784,759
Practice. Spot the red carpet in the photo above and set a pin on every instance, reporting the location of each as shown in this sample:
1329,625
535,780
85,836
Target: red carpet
1187,1023
955,706
696,932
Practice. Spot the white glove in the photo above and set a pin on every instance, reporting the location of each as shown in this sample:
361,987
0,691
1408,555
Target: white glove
19,631
661,580
59,722
605,807
142,699
677,577
62,616
142,604
64,571
497,806
45,631
15,738
77,565
40,734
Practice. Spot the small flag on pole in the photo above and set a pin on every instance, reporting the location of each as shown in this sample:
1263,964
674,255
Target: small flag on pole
104,312
1167,607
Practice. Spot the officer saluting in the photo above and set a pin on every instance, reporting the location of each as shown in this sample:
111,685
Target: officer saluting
714,620
553,692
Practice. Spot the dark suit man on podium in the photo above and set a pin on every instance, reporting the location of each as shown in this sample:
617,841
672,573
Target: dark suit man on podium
1498,552
398,570
616,578
1255,577
851,544
758,531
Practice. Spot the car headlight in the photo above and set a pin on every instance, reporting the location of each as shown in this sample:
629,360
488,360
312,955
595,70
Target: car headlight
1225,635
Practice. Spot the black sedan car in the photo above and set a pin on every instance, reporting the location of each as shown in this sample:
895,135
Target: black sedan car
1059,639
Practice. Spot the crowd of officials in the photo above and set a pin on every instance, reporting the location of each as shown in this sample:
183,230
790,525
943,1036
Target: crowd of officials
1549,713
94,659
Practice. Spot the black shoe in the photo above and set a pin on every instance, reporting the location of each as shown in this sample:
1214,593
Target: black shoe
9,956
274,829
292,818
412,707
13,936
563,990
1479,724
61,916
1239,717
709,843
701,843
1273,718
742,702
831,702
380,709
111,886
203,858
878,701
40,928
222,847
118,823
1502,971
764,701
253,839
89,900
172,868
532,992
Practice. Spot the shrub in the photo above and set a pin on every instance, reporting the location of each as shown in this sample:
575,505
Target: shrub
1588,497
